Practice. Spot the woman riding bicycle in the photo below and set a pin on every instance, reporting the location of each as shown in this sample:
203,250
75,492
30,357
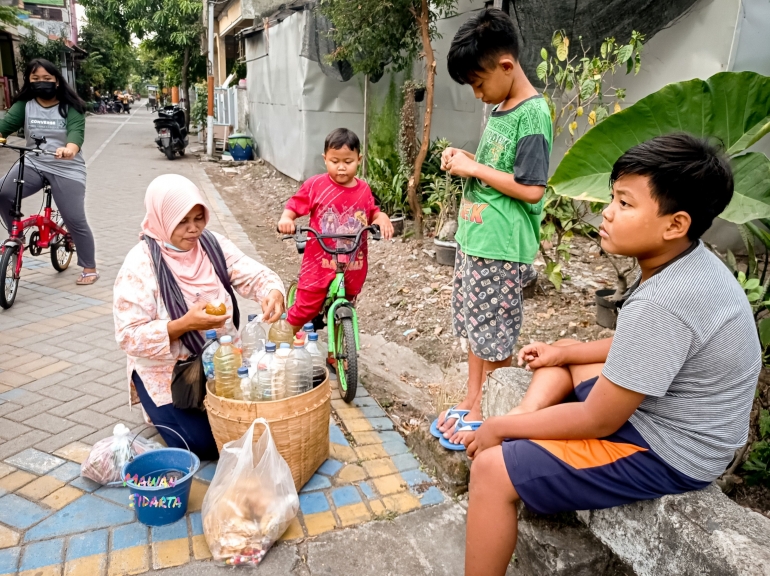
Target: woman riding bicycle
48,107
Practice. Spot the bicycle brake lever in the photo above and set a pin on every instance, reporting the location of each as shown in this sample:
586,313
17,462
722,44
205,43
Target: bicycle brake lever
376,235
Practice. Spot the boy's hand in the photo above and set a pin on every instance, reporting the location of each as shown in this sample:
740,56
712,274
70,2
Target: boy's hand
446,155
539,355
483,438
286,226
386,226
461,165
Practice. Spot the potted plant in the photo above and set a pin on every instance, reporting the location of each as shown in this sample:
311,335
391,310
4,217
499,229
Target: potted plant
444,191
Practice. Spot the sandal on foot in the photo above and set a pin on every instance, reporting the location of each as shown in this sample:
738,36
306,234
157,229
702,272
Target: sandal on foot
462,426
81,281
453,413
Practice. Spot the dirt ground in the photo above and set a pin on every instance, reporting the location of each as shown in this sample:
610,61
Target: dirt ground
407,294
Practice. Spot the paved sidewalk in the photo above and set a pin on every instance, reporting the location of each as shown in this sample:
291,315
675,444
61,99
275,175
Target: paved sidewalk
63,387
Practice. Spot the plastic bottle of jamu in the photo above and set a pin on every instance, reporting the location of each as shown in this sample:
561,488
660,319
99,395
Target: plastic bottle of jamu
209,349
252,339
227,360
318,358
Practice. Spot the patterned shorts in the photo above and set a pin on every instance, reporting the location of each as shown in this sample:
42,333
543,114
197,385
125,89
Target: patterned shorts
486,305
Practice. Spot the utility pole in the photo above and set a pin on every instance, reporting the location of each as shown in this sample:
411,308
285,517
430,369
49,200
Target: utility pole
210,74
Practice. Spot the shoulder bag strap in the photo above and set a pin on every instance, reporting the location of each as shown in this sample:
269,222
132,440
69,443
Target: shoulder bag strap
214,252
172,296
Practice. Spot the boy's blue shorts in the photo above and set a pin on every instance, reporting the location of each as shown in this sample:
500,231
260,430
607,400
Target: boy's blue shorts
554,476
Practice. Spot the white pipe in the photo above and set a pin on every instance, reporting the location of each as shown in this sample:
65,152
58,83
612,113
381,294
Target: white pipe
210,74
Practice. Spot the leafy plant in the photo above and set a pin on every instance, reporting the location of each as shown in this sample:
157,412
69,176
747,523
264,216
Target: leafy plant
30,48
443,191
388,181
733,107
577,80
756,469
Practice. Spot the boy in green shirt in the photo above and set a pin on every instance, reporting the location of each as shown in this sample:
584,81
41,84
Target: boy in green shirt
500,212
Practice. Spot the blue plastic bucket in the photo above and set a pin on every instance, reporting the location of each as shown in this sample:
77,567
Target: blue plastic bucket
159,482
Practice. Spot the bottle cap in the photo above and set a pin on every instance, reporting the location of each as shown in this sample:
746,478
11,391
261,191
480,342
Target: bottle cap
243,371
269,347
226,340
300,335
299,342
308,327
313,337
211,334
252,316
285,345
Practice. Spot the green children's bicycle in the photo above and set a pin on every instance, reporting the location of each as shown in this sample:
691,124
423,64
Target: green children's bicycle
338,313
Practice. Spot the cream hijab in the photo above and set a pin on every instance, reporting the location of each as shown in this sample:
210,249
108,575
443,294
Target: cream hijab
168,200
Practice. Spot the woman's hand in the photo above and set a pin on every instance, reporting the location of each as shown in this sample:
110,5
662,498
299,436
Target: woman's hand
539,355
386,226
272,306
64,153
483,438
196,319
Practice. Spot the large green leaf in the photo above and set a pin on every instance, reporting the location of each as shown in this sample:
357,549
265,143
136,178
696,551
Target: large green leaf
731,106
751,199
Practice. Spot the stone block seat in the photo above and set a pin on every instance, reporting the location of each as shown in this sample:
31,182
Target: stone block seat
697,533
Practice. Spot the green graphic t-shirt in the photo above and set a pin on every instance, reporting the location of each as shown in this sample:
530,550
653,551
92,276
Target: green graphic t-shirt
491,224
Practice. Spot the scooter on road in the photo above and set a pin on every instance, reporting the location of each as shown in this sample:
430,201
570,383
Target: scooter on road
172,131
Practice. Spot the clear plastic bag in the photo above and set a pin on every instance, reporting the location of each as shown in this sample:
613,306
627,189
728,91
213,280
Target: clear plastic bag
108,456
251,500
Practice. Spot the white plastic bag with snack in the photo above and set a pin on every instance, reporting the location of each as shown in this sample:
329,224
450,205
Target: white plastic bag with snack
108,455
251,500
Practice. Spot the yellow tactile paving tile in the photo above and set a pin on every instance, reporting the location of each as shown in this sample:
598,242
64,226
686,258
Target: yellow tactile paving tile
54,570
364,438
200,548
391,484
349,413
128,561
401,503
40,488
342,453
380,467
77,452
198,490
61,497
88,566
16,480
294,530
170,553
353,514
371,452
320,523
351,473
357,425
8,537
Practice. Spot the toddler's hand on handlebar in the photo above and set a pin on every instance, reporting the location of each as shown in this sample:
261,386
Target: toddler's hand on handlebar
286,226
386,226
197,318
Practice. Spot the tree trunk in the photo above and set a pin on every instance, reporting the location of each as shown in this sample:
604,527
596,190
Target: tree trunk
186,86
430,72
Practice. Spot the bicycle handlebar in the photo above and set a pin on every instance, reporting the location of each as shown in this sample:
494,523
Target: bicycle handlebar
37,150
300,240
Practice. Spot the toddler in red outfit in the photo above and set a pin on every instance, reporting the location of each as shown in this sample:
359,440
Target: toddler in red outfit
338,203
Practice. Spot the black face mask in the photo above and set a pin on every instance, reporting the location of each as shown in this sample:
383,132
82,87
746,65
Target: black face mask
44,90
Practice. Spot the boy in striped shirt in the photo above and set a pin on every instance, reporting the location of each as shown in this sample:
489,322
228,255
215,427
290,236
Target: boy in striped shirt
662,406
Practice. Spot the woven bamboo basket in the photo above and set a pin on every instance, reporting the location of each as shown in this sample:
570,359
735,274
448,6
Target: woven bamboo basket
300,426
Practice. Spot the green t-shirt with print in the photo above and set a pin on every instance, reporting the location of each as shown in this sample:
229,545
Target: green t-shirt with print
490,224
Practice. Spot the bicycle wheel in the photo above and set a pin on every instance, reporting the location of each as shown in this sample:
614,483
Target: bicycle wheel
169,152
347,359
9,283
61,250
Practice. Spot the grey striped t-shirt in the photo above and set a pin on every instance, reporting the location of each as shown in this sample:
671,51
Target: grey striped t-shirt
686,338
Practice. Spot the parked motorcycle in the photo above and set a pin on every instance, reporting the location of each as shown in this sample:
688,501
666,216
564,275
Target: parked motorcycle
172,131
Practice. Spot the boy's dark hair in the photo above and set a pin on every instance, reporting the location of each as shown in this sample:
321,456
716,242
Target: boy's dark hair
686,174
340,138
480,42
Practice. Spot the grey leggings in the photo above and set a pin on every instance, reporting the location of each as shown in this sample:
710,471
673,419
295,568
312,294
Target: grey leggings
69,196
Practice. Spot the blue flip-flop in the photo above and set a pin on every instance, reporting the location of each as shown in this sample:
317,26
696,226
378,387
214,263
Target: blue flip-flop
462,426
451,413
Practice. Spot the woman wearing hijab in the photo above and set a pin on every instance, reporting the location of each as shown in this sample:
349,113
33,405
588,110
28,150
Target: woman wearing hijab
173,231
48,107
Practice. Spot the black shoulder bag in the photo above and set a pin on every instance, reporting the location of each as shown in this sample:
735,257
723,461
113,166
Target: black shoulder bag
188,382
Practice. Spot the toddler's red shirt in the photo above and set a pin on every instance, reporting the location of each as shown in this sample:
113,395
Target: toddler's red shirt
333,209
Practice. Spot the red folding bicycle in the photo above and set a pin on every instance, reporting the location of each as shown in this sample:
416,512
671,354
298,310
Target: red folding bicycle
50,232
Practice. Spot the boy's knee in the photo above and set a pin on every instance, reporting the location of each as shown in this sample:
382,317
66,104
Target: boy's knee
488,472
